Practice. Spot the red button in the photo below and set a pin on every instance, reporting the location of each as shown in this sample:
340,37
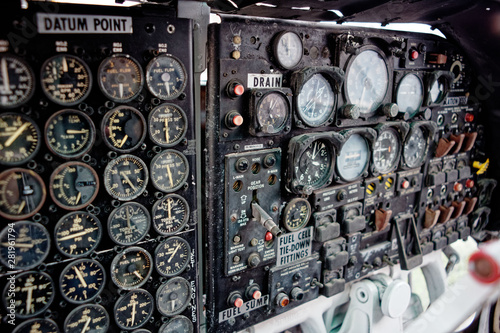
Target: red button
458,187
414,55
237,120
269,236
256,294
238,89
405,184
469,117
238,303
469,183
284,302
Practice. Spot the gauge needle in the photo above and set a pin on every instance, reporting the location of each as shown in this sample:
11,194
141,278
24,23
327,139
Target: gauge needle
168,88
5,77
80,277
86,325
120,89
169,209
78,197
133,313
170,176
64,64
30,299
128,219
21,207
20,245
136,273
123,141
175,251
78,234
16,134
167,135
71,131
128,180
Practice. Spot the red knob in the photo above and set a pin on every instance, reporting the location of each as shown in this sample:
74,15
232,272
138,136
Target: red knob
414,55
469,117
458,187
469,183
238,89
405,184
238,303
256,294
268,237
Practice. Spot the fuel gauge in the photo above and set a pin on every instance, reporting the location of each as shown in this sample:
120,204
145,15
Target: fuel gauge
132,268
173,296
166,77
120,78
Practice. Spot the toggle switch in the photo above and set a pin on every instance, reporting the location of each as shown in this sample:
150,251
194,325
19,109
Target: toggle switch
459,140
470,204
458,208
470,139
382,218
444,147
445,213
431,217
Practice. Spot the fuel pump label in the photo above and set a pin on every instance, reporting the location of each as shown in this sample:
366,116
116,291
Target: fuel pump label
294,246
246,307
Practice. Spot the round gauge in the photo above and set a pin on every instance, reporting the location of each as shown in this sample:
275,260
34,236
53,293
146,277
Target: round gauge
315,101
296,214
73,185
166,77
410,94
167,125
131,268
92,318
353,158
29,242
170,214
169,170
69,133
129,223
414,148
126,177
367,81
22,193
77,234
172,256
141,330
37,325
17,82
32,294
173,296
438,90
272,112
82,281
134,309
387,150
180,324
288,49
124,129
314,166
66,79
120,78
19,139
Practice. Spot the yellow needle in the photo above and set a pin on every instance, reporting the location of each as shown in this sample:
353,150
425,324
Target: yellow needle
71,131
78,234
16,134
136,273
78,197
167,135
29,300
80,277
64,64
133,313
21,207
175,251
86,325
170,176
169,209
128,218
128,180
123,141
5,77
20,245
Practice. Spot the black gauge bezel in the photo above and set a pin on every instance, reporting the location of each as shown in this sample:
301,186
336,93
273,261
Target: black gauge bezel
432,78
104,126
429,129
126,296
38,141
288,208
159,292
30,71
184,119
29,322
84,306
181,225
117,258
399,76
116,161
74,263
112,214
400,129
163,328
152,172
256,98
92,248
185,262
148,76
276,41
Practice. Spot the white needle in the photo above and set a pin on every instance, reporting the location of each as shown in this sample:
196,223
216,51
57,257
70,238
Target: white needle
120,88
20,245
78,197
170,176
136,273
167,136
80,277
128,218
21,207
29,300
5,77
133,313
78,234
175,251
64,64
123,140
86,325
16,134
128,180
71,131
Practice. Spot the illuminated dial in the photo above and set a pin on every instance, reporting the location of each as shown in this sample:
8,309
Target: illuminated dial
315,101
410,94
387,150
129,223
177,324
126,177
82,281
22,193
77,234
131,268
92,318
172,256
66,79
169,170
37,325
314,165
17,81
124,128
134,309
166,77
167,125
120,78
288,49
73,185
415,148
69,133
170,214
353,159
173,296
19,139
32,294
272,112
296,214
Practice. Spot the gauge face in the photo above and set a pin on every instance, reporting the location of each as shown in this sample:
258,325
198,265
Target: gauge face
179,324
37,325
66,79
414,148
87,318
124,129
126,177
386,152
173,296
288,49
120,78
169,170
82,281
315,165
22,193
315,101
410,94
77,234
131,268
69,133
170,214
73,185
172,256
272,112
354,157
134,309
296,214
129,223
19,139
167,125
17,81
367,81
32,294
438,90
166,77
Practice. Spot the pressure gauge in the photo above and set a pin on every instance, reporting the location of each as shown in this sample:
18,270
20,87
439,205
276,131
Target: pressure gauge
77,234
126,177
167,125
296,214
272,112
69,133
131,268
19,139
73,185
354,157
410,94
288,49
170,214
173,296
134,309
129,223
32,294
314,166
177,324
124,129
315,101
66,79
166,77
415,148
92,318
387,150
22,193
82,281
169,170
120,78
172,256
37,325
17,82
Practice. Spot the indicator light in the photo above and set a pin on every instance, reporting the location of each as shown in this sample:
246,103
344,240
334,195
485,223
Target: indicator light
458,187
469,117
405,184
268,237
413,55
469,183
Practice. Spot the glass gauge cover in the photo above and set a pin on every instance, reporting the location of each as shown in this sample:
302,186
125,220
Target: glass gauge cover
166,77
410,94
415,148
272,112
177,324
172,256
77,234
82,281
315,101
69,133
124,129
173,296
120,78
167,125
92,318
134,309
131,268
296,214
17,81
314,166
169,170
170,214
354,157
387,150
37,325
288,49
129,223
66,79
437,91
19,139
126,177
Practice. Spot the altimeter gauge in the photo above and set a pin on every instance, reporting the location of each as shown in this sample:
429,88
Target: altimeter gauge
316,101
